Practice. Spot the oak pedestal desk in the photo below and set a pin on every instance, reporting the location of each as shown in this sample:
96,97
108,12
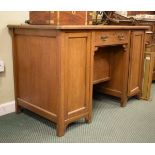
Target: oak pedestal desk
55,68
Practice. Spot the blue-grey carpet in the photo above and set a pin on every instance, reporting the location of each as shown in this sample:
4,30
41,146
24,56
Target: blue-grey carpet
111,124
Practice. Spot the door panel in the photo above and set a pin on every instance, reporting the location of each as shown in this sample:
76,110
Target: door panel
136,63
77,73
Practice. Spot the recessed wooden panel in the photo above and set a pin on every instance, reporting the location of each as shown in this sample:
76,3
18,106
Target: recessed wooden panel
36,73
77,78
115,85
135,71
101,66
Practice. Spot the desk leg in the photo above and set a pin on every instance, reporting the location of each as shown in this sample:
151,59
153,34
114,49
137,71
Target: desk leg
18,108
138,96
88,118
60,130
124,101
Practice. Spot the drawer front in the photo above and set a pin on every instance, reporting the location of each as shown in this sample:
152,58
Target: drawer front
111,37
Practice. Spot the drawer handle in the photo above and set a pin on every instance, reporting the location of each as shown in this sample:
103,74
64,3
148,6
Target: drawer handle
104,38
121,37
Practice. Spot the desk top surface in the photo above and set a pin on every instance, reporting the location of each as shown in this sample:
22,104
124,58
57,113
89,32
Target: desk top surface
77,27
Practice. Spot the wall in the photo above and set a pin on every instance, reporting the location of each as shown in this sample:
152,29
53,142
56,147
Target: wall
6,78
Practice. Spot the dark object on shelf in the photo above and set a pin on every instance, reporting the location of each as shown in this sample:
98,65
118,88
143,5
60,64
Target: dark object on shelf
27,21
112,18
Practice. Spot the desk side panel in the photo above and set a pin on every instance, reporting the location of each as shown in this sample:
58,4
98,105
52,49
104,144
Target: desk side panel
36,62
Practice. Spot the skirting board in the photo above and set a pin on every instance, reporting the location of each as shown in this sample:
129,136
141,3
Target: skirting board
7,108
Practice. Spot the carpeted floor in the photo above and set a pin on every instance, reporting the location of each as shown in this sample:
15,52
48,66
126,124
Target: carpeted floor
111,124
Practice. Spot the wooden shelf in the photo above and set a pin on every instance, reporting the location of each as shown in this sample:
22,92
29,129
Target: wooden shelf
101,80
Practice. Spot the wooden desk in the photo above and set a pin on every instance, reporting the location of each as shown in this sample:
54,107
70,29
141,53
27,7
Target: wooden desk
54,68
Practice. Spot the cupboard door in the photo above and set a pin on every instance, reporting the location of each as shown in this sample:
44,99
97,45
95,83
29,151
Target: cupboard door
136,63
77,73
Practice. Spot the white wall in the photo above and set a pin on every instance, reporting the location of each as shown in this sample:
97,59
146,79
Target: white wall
6,78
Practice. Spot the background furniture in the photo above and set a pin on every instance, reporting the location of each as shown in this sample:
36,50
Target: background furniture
148,22
149,60
151,39
148,69
55,68
133,13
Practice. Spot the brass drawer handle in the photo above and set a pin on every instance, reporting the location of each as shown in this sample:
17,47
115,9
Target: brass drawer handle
121,37
104,38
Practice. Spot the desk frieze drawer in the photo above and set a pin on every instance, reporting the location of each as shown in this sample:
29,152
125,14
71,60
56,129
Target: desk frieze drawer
111,37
